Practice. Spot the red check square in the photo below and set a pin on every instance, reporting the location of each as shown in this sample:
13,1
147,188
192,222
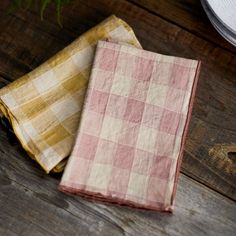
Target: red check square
169,122
87,146
134,111
101,83
161,167
115,106
119,182
98,101
143,69
108,59
124,156
179,82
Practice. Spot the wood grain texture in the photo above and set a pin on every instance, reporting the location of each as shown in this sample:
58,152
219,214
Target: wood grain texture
31,205
3,82
25,42
29,200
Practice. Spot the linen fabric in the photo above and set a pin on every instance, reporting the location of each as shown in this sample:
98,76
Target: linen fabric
44,106
133,125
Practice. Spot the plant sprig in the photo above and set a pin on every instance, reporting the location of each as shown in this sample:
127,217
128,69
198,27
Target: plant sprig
42,4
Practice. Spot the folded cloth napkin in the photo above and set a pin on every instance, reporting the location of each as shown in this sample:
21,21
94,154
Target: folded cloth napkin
133,126
44,106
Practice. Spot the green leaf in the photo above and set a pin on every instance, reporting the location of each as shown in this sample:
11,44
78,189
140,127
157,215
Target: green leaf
17,3
58,6
43,7
29,3
43,4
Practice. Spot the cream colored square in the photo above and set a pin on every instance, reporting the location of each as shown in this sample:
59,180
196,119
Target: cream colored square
181,125
167,59
29,128
83,58
157,94
130,50
165,144
147,139
66,70
45,82
94,73
10,100
99,176
65,108
49,163
23,133
111,128
121,85
192,74
177,146
186,102
137,185
119,34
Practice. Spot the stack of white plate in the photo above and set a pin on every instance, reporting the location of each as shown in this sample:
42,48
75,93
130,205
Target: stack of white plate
222,14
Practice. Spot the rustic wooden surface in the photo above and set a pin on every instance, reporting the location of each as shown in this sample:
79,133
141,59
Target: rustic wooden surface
31,205
29,200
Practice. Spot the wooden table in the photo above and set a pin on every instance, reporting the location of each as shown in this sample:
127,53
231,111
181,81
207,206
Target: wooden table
30,203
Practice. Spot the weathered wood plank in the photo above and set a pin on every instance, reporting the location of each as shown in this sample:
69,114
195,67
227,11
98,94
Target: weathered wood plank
3,82
187,14
26,42
31,204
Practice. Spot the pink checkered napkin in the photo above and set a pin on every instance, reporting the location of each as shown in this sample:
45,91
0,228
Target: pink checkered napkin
133,126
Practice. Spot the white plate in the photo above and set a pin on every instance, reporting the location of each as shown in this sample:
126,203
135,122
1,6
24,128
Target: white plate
225,10
225,23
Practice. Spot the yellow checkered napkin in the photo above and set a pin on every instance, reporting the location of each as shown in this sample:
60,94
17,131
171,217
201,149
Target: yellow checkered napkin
44,106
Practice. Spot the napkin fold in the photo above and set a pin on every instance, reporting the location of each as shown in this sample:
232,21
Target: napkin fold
133,126
44,106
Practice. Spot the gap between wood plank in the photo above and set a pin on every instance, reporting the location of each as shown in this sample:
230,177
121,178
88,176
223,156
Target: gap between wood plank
207,186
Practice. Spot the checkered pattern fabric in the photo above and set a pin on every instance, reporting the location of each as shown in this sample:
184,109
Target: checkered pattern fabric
44,106
132,129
